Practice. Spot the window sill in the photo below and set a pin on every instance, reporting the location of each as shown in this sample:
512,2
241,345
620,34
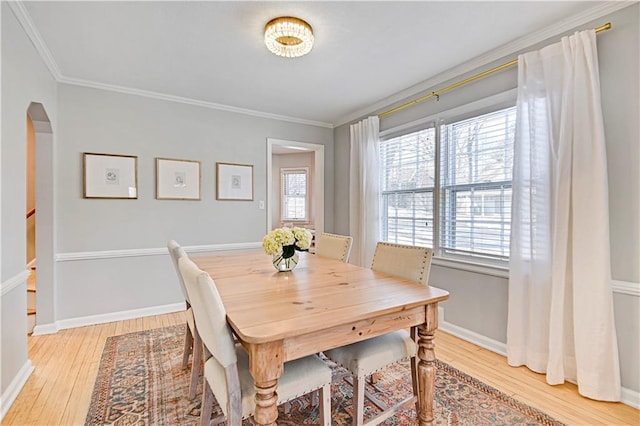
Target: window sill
492,270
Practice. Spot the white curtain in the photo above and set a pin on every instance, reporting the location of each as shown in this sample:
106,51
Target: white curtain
560,299
364,190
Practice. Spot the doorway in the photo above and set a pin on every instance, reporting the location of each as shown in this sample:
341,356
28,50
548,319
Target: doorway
31,225
44,187
277,147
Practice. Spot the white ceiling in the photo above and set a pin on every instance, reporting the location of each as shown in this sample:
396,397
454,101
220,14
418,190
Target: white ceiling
213,51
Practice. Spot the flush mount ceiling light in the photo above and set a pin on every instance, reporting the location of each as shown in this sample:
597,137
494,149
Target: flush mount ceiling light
288,36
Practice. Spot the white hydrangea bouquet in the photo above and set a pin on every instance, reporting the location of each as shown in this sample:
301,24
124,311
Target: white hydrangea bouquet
282,244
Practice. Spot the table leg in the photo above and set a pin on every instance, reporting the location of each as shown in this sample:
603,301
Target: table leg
266,403
426,365
265,362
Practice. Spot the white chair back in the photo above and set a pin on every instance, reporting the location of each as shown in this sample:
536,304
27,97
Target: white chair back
211,322
176,252
334,246
409,262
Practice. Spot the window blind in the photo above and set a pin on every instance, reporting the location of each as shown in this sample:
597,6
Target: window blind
408,176
294,195
476,162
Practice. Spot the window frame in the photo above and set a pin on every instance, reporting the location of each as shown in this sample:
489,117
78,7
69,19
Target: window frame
399,192
472,263
283,196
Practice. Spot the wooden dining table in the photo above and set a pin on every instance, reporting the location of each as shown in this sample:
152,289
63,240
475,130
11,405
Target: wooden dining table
321,304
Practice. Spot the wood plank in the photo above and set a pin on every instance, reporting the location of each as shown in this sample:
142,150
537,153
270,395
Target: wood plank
264,305
562,402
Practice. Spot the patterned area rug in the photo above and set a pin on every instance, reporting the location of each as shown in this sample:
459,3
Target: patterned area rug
141,382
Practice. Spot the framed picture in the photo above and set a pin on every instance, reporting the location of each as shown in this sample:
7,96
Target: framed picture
235,181
177,179
110,176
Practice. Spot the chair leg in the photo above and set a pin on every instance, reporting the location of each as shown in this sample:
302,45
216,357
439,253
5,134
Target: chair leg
207,405
414,370
188,342
196,366
414,381
325,404
374,378
358,400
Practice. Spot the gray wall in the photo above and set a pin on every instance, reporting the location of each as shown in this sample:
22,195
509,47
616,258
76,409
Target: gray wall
479,302
25,79
92,120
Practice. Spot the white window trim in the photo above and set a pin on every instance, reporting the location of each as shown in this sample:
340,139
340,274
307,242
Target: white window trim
284,170
492,103
478,268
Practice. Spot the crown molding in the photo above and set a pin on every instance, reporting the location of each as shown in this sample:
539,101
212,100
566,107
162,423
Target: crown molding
32,32
507,49
189,101
493,55
36,39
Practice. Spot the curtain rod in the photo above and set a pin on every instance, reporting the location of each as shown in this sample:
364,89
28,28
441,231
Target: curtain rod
437,93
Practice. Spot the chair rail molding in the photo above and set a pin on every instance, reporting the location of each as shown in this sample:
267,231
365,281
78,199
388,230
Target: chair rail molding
626,287
159,251
14,282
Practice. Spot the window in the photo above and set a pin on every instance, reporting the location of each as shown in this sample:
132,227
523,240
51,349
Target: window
463,187
294,195
408,176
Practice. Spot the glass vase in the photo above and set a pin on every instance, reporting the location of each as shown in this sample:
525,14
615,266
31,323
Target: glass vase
283,264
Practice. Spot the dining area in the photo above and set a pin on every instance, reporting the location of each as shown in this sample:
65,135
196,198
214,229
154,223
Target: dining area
261,336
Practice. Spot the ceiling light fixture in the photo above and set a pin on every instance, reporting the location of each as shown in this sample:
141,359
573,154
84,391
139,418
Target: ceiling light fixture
288,36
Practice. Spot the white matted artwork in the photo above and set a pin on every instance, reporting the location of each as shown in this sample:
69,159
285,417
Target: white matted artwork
177,179
110,176
234,181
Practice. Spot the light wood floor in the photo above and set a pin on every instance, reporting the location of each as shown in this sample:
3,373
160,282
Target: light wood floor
66,363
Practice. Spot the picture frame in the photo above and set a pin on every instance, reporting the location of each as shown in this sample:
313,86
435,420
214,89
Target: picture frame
177,179
234,182
110,176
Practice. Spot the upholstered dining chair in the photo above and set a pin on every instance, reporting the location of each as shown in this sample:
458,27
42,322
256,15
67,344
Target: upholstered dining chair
334,246
226,369
192,342
365,358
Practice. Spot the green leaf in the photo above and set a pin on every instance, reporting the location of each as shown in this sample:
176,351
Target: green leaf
288,251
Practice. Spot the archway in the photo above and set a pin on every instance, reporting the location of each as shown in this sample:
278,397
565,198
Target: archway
45,235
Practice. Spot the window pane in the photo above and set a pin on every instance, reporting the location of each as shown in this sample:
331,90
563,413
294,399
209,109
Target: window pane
294,195
476,163
408,173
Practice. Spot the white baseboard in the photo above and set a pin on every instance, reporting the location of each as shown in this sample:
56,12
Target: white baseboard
41,329
470,336
628,397
110,317
14,388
